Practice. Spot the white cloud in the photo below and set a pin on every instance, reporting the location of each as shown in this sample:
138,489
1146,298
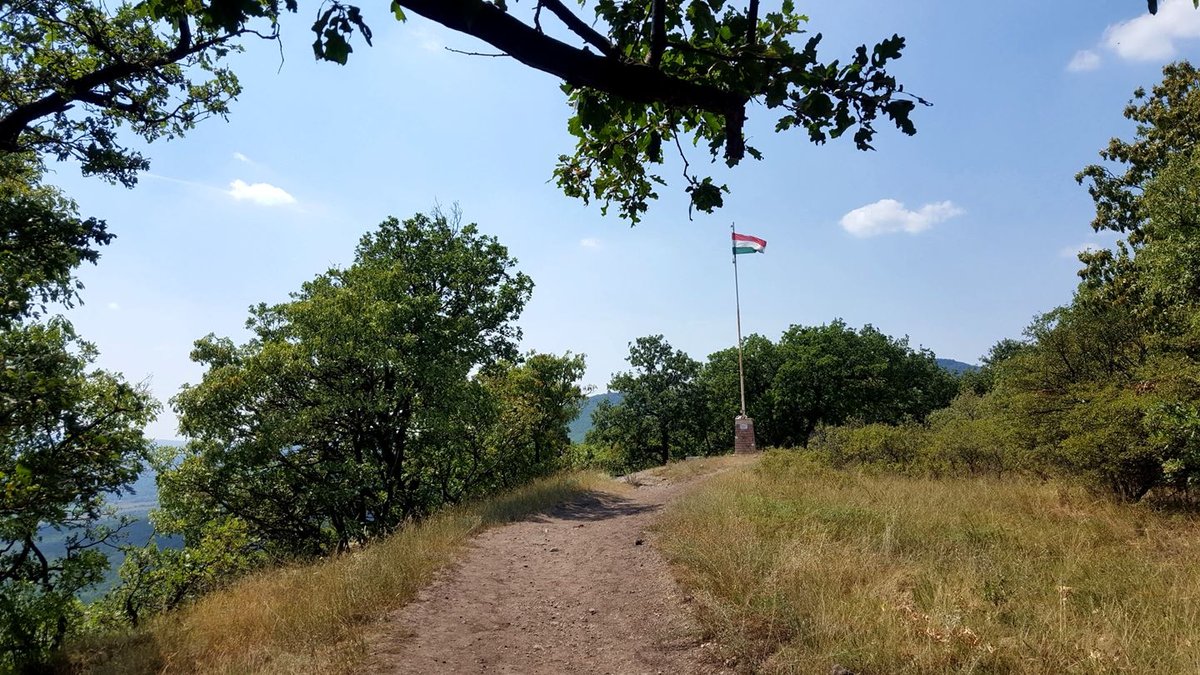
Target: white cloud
1154,37
1084,59
1149,37
1074,251
888,215
242,158
114,306
263,194
590,242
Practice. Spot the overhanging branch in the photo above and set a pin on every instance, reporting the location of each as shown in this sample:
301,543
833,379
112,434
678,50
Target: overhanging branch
633,82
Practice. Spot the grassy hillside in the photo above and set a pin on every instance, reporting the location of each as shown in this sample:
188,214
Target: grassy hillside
579,427
797,568
311,618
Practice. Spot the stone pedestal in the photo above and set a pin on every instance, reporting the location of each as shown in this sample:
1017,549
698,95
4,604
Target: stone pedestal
743,435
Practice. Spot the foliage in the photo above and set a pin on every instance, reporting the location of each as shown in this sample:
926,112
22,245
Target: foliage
68,437
969,437
659,408
831,374
76,71
813,376
983,380
718,382
538,399
352,408
643,77
154,579
736,58
1106,388
42,240
1164,129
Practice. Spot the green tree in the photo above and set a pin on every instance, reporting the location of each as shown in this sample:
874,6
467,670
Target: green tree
983,380
831,374
538,399
1108,387
718,383
1165,128
660,407
68,438
154,579
353,408
641,77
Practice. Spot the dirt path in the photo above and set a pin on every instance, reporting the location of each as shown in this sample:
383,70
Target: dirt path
577,590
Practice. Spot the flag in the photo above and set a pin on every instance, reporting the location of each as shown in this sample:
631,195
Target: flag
744,243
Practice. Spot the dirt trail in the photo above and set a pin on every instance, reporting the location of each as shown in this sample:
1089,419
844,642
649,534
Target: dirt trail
568,591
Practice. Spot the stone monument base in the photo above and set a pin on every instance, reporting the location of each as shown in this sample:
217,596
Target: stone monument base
743,435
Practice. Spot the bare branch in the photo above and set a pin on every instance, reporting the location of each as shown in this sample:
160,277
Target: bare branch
459,51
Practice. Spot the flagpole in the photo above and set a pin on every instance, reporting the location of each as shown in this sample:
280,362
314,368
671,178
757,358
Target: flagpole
738,303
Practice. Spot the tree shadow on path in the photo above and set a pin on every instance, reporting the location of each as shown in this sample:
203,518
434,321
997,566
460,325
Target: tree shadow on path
594,506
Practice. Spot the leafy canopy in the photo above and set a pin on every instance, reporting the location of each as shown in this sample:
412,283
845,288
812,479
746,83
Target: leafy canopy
74,72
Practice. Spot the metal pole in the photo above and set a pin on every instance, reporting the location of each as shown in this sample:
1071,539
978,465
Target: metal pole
738,303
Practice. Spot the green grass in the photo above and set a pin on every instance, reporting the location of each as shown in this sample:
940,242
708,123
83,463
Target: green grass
797,567
312,618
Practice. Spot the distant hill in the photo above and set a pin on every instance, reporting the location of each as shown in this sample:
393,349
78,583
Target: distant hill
579,428
135,504
956,367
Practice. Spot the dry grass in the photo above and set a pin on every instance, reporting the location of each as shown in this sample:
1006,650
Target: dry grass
797,568
681,471
311,619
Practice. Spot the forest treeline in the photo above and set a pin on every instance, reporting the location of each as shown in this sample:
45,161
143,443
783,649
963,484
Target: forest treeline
673,405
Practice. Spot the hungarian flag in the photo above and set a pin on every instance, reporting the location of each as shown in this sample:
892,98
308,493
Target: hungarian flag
744,243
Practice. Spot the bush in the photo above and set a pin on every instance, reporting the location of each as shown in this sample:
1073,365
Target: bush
883,446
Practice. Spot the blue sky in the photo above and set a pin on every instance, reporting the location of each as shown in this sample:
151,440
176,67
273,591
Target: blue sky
955,237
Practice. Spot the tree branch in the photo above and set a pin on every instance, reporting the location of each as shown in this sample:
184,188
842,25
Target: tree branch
633,82
578,27
19,119
658,33
752,21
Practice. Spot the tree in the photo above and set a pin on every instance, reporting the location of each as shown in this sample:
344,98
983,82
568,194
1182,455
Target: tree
42,241
539,397
353,408
660,407
75,71
981,381
68,438
831,374
1164,128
